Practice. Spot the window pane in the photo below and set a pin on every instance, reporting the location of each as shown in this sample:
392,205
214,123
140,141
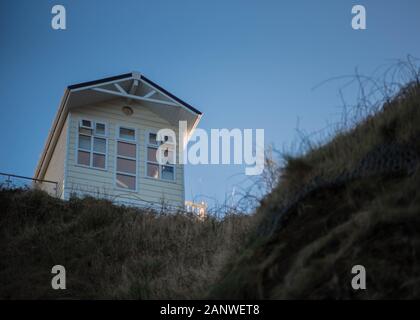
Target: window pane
152,138
99,145
99,160
126,149
151,154
128,134
170,155
83,158
84,142
168,139
153,170
100,129
86,123
85,131
125,165
168,172
126,182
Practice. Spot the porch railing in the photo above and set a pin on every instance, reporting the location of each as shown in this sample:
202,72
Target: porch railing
14,181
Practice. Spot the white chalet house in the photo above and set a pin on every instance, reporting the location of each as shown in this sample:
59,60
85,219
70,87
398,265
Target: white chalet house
103,142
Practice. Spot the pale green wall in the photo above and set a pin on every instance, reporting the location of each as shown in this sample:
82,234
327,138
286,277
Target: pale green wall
101,183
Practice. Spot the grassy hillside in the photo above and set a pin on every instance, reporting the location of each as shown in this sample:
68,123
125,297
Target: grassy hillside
108,251
354,200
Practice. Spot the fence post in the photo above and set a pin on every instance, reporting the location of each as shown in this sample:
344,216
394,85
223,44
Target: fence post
9,182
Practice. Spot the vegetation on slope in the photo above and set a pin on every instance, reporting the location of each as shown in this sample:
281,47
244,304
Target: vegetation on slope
108,251
352,201
307,250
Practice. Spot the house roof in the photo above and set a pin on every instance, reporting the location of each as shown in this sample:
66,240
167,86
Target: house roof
132,86
128,76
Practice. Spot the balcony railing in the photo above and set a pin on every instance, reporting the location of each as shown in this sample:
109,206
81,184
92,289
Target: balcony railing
13,181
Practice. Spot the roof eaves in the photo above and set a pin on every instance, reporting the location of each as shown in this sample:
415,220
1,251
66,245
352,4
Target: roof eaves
99,81
51,133
191,108
131,75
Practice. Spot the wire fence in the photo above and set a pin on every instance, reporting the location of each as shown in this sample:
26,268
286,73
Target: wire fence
13,181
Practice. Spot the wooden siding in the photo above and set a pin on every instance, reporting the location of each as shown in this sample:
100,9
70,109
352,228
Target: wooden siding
55,170
101,183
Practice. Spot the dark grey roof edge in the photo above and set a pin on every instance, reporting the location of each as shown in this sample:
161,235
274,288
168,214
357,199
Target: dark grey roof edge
171,95
129,75
99,81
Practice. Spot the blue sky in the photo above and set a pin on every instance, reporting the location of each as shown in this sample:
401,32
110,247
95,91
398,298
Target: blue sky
244,64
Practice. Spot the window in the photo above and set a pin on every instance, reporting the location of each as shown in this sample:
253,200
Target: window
153,168
127,134
100,129
168,172
86,124
91,147
126,173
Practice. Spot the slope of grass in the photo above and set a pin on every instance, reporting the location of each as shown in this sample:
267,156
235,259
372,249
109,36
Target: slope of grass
371,221
117,252
108,251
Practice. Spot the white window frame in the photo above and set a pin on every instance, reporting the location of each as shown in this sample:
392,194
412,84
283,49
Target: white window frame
92,139
156,146
82,126
119,139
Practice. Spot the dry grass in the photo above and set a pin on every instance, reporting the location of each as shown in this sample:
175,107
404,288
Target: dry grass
117,252
397,122
109,251
371,221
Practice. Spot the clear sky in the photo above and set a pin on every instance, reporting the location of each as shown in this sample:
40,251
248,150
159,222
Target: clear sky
244,64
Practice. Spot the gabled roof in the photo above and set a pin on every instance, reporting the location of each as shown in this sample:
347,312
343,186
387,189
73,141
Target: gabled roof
132,86
132,75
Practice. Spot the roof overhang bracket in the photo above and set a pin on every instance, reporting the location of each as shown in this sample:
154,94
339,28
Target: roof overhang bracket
131,95
133,89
